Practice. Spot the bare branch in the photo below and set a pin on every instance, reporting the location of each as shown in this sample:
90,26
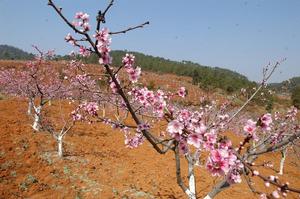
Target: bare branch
130,28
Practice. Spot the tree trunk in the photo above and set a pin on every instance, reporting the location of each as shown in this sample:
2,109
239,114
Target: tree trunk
217,189
60,146
30,105
37,118
191,177
283,157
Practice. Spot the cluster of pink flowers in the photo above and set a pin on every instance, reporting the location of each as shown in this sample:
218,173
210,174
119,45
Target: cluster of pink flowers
220,162
70,39
133,72
112,84
250,128
182,92
188,128
142,127
292,113
83,51
223,161
84,110
265,121
150,99
135,141
91,108
276,193
104,42
187,121
82,20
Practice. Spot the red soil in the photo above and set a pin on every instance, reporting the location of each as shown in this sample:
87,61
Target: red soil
97,164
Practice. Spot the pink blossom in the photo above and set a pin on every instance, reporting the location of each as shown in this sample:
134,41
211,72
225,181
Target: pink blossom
267,184
103,37
175,127
183,147
85,17
128,60
234,176
225,144
82,20
69,38
84,51
78,15
255,172
142,127
265,121
201,128
105,59
263,196
91,108
135,141
275,194
210,139
134,74
217,162
194,139
76,116
182,92
103,46
250,127
272,178
113,86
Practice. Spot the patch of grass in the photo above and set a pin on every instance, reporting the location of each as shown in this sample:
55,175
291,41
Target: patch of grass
47,157
23,186
6,165
30,179
2,154
13,173
67,170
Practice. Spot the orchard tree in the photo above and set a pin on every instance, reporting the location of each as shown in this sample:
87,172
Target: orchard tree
38,81
190,131
296,97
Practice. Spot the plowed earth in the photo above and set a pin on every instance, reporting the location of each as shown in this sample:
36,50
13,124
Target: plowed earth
98,165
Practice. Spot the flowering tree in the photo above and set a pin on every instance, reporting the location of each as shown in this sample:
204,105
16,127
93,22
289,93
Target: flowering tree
39,82
190,131
58,130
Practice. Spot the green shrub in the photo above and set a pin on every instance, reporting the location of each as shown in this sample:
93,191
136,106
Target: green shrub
296,97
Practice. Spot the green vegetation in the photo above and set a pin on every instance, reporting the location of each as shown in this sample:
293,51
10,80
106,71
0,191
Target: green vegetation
205,77
12,53
286,86
296,97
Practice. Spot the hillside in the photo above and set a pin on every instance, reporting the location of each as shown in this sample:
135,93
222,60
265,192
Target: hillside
12,53
206,77
287,85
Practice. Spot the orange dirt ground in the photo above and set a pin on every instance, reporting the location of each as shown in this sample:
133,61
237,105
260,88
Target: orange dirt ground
98,165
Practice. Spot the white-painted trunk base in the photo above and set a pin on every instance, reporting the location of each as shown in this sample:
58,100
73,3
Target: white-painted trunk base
60,147
29,108
36,122
283,153
207,197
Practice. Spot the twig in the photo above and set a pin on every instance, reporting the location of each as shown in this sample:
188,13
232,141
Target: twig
130,28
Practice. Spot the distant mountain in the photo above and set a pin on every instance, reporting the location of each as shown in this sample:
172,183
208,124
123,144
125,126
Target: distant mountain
205,76
13,53
287,85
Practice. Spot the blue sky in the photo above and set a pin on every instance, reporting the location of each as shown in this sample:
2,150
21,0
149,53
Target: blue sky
236,34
